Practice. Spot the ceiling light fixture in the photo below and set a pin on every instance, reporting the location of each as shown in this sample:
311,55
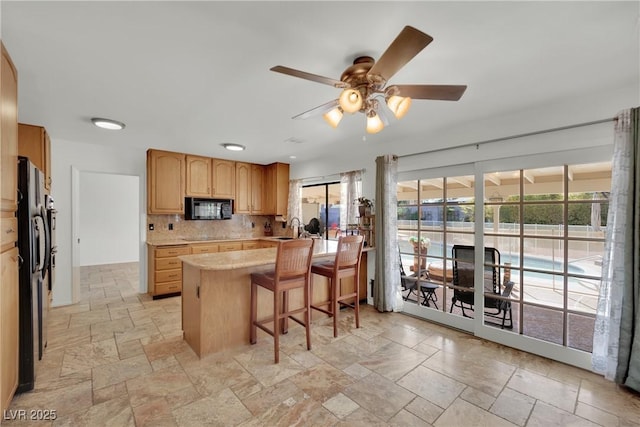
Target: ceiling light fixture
233,147
374,123
107,124
333,117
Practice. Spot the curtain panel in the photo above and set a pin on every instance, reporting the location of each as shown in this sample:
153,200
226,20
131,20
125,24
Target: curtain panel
350,190
294,204
386,291
616,339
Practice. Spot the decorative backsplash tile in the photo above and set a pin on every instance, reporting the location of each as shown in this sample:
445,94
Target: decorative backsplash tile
238,227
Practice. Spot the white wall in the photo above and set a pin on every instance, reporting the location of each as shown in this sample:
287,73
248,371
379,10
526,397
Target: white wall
67,156
109,210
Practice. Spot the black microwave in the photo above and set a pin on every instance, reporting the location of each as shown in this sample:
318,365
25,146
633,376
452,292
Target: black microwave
198,208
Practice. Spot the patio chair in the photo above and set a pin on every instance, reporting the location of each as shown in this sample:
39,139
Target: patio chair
411,283
463,277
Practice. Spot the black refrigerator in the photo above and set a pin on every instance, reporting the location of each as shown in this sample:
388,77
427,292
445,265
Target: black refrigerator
34,243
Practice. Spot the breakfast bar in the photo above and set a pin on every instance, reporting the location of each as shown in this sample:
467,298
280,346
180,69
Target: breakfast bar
216,294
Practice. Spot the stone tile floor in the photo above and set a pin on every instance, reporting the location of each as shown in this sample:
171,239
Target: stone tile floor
117,359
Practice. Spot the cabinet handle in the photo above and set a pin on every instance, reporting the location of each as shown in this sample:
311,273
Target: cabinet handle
198,291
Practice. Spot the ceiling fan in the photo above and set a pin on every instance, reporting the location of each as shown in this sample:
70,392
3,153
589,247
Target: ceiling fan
365,81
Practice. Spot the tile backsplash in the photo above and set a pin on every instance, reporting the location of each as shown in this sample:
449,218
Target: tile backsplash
238,227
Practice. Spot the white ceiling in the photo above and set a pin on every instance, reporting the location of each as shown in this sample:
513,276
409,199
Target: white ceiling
188,76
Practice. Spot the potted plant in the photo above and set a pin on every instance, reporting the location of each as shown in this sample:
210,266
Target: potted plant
420,249
364,206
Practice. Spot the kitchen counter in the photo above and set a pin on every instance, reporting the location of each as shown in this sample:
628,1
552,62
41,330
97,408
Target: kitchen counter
240,259
188,241
216,294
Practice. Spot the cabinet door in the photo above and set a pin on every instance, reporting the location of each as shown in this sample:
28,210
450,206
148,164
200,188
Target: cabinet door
198,176
242,203
257,188
224,179
8,327
165,182
276,190
34,143
9,134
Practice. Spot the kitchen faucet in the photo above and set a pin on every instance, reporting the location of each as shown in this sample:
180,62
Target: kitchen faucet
300,227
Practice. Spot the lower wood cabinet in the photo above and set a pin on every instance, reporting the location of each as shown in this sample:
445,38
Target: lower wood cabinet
8,326
165,269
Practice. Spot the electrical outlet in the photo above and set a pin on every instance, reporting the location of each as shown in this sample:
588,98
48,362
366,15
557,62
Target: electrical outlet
151,227
170,227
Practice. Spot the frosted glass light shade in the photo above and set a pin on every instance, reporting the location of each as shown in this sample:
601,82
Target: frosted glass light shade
350,100
374,124
333,117
399,105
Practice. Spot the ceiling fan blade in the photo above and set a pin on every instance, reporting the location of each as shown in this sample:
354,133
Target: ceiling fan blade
321,109
406,45
309,76
439,92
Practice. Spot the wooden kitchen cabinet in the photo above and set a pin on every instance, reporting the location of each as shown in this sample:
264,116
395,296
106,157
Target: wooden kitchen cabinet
249,188
224,179
165,182
257,189
9,296
252,244
198,176
165,269
205,248
230,246
34,143
276,189
9,134
242,203
9,326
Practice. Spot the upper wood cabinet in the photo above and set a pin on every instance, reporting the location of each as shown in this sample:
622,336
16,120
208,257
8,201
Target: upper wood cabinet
34,143
276,189
257,189
242,203
165,182
224,179
9,134
198,177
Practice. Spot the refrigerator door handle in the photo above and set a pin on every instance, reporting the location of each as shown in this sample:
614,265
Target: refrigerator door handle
39,228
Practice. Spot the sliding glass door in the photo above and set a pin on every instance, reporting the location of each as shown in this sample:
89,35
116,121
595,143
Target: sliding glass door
541,219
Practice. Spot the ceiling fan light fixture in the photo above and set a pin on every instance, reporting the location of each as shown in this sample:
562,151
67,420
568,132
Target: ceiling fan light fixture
350,100
107,124
374,123
399,105
333,117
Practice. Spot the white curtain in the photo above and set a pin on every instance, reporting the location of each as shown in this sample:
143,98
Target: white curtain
387,295
616,339
350,190
294,206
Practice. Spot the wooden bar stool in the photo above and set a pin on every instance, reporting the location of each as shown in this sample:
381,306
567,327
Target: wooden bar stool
346,264
292,271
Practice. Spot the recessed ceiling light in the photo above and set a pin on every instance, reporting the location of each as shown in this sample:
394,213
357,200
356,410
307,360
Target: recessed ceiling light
292,157
107,124
233,147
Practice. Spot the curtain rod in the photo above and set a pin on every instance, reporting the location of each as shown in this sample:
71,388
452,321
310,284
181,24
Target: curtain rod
504,138
330,176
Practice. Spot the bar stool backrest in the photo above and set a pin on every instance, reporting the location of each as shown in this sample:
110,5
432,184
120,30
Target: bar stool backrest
293,259
349,251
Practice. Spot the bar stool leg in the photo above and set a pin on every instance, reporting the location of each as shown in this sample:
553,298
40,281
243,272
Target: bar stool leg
285,309
254,313
276,325
356,302
307,315
335,286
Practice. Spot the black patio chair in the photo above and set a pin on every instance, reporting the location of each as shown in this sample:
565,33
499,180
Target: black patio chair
410,284
463,277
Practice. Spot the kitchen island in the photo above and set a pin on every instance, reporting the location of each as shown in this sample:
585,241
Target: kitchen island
216,294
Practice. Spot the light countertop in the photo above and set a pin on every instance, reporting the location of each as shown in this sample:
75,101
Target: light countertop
189,241
252,257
